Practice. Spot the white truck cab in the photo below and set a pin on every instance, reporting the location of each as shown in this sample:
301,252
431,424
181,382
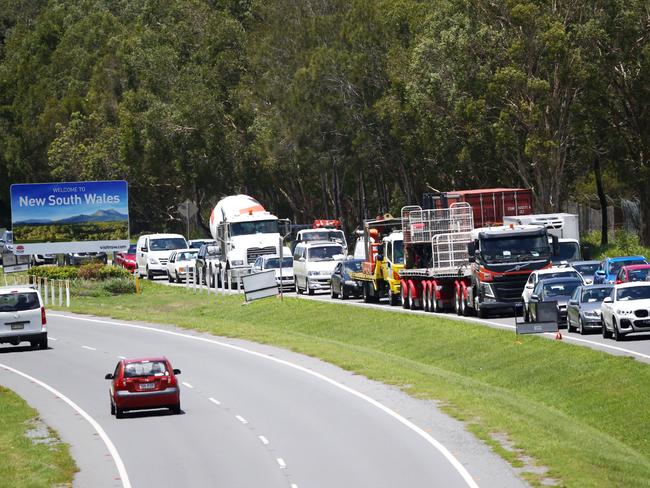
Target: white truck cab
152,253
314,263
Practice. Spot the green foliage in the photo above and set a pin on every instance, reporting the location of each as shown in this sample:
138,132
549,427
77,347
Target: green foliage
119,286
623,244
109,271
332,108
55,272
96,231
90,271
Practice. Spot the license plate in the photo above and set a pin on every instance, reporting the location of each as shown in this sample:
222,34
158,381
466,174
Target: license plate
147,386
17,325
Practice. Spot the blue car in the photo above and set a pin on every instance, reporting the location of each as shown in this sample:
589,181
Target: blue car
606,272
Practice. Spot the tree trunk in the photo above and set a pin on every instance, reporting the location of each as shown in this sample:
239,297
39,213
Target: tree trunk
602,198
644,207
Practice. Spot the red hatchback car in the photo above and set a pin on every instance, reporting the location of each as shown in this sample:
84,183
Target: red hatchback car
126,259
633,272
146,383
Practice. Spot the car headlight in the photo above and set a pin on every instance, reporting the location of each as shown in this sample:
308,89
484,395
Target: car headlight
592,313
153,261
313,273
237,262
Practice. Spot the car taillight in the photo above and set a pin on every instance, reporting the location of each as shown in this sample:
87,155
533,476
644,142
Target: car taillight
43,318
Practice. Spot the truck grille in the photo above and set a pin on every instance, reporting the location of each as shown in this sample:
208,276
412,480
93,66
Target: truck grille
255,252
509,288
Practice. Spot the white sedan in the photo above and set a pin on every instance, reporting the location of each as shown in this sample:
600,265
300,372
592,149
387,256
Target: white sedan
626,310
181,264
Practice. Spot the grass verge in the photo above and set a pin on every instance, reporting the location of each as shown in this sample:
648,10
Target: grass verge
581,413
31,455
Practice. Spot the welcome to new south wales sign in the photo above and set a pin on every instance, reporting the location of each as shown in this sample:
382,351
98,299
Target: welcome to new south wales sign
82,216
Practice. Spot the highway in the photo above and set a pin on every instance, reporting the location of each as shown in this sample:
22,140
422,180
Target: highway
253,416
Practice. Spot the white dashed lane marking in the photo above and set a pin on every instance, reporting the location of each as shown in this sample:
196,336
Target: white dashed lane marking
215,401
264,440
241,419
187,384
89,348
282,464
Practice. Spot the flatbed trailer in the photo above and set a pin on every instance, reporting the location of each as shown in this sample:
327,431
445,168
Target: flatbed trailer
446,268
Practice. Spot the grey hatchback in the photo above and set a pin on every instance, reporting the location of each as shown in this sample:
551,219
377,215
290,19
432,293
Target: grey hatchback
583,310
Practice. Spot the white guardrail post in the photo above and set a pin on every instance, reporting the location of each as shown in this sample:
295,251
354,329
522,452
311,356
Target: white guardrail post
187,277
39,281
45,295
53,293
67,293
194,281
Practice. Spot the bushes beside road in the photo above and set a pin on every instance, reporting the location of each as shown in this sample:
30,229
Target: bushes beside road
92,279
622,243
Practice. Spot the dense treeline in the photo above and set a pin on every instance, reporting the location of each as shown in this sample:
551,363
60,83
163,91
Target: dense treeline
338,108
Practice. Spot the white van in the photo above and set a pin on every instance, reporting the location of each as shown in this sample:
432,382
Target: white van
152,253
22,316
314,263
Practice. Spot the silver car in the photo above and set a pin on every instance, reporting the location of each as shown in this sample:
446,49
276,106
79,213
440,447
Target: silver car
22,316
583,310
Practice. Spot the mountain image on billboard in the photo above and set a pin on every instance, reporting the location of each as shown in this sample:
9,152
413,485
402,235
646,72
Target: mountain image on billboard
94,211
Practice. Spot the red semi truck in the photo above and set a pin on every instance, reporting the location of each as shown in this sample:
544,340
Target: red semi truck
451,264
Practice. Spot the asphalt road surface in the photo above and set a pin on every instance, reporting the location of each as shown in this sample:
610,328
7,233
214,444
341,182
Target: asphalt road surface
253,416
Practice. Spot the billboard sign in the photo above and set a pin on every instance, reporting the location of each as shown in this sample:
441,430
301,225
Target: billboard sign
83,216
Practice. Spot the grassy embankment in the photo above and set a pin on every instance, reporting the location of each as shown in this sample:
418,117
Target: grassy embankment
581,413
30,456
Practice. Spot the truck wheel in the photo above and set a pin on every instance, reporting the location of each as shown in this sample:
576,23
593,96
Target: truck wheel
481,313
404,292
457,303
426,305
393,299
465,310
433,301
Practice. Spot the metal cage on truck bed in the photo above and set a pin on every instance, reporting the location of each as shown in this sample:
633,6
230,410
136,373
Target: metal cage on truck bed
420,226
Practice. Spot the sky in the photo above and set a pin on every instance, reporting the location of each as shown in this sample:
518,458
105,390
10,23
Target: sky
80,188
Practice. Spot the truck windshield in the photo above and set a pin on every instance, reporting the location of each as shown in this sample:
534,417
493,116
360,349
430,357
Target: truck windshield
567,251
324,235
324,253
515,248
259,227
398,252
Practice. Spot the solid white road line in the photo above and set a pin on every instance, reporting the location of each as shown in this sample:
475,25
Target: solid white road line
264,440
407,423
89,348
293,485
282,464
188,385
216,402
119,464
241,419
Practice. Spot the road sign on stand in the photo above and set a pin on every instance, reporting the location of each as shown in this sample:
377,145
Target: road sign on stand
188,210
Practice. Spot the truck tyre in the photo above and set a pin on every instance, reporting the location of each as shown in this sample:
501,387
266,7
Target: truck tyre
393,299
404,292
426,305
481,313
464,307
433,301
457,302
333,294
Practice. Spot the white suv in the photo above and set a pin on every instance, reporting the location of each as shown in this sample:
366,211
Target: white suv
152,253
314,263
22,316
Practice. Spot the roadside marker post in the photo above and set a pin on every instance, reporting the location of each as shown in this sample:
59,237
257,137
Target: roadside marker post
45,295
60,293
187,277
52,290
67,293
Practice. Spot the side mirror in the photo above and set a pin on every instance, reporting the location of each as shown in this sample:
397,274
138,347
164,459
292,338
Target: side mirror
608,300
109,376
530,286
177,371
301,259
600,272
143,248
534,297
555,245
380,257
573,302
471,249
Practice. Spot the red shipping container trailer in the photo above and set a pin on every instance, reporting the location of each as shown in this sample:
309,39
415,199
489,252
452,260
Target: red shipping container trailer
489,205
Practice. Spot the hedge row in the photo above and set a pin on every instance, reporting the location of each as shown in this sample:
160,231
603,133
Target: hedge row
90,271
